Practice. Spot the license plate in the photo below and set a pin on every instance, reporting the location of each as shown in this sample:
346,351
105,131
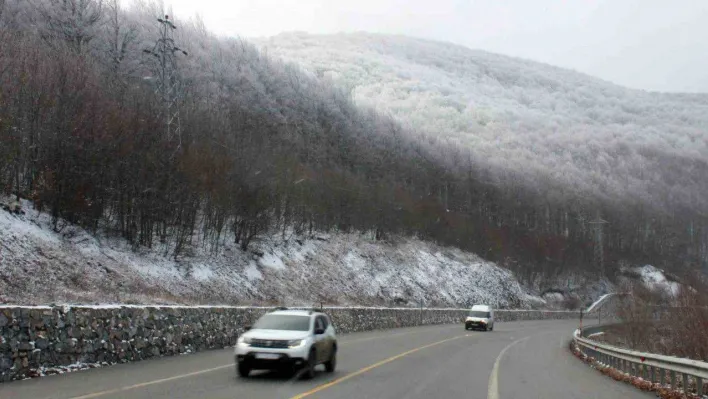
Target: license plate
267,356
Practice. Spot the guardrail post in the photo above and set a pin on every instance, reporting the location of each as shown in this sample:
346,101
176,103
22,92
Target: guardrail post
685,383
673,380
651,374
699,386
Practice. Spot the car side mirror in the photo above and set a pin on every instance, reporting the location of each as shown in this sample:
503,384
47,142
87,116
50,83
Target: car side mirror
319,331
246,328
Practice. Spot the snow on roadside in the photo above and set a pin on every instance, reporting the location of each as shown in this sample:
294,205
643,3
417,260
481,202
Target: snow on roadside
655,279
45,371
39,266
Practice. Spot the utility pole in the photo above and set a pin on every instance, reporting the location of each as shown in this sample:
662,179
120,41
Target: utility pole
599,252
167,84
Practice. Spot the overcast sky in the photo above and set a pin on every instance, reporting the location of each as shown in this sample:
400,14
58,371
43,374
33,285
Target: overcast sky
647,44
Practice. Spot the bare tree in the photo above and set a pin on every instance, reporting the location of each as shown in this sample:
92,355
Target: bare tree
121,36
74,21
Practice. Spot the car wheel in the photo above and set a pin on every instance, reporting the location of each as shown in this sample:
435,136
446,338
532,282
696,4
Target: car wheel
243,370
309,371
331,364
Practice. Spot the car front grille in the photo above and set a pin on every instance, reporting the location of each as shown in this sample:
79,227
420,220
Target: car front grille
269,343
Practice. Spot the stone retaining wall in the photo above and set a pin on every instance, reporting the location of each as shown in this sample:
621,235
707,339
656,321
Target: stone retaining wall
34,339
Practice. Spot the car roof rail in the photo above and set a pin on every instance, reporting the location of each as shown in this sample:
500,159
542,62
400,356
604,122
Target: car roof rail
281,308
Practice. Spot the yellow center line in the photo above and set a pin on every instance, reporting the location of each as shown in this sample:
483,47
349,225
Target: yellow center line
385,336
177,377
371,367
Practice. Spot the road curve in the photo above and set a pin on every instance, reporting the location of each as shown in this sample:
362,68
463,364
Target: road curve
518,360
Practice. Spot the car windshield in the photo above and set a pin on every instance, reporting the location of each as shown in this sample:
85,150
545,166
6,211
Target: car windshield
476,313
283,322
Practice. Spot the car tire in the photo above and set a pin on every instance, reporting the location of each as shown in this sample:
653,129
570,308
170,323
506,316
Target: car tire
243,370
331,364
309,370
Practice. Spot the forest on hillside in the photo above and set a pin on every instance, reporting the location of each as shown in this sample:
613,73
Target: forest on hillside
264,147
525,119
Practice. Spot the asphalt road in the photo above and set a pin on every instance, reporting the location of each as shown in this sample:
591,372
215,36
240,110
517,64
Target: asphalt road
518,360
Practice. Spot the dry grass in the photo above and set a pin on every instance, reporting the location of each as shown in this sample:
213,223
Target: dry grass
661,391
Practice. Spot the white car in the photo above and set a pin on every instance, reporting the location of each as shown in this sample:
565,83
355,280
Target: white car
288,339
480,317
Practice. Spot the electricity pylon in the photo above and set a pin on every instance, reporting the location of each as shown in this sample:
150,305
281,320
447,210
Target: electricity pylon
167,82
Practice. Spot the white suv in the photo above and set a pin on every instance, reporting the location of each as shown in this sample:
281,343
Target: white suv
288,339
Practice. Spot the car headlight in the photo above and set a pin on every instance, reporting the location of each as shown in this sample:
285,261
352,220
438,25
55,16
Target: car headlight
243,340
295,343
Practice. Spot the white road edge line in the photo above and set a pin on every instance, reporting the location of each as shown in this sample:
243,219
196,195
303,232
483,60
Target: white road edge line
144,384
493,391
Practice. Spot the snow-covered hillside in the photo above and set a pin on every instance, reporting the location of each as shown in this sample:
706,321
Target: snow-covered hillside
41,266
538,121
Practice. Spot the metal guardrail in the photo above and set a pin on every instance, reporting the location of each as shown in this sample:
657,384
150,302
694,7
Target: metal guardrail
651,367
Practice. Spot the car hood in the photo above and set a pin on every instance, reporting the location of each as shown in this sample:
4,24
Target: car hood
275,334
477,319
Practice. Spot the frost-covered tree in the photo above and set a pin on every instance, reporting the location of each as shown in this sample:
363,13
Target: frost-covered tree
77,22
121,38
271,147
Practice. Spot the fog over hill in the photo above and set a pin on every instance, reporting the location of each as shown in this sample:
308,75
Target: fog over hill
589,136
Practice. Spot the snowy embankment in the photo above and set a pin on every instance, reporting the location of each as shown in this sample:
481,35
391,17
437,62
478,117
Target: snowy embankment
653,278
39,265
